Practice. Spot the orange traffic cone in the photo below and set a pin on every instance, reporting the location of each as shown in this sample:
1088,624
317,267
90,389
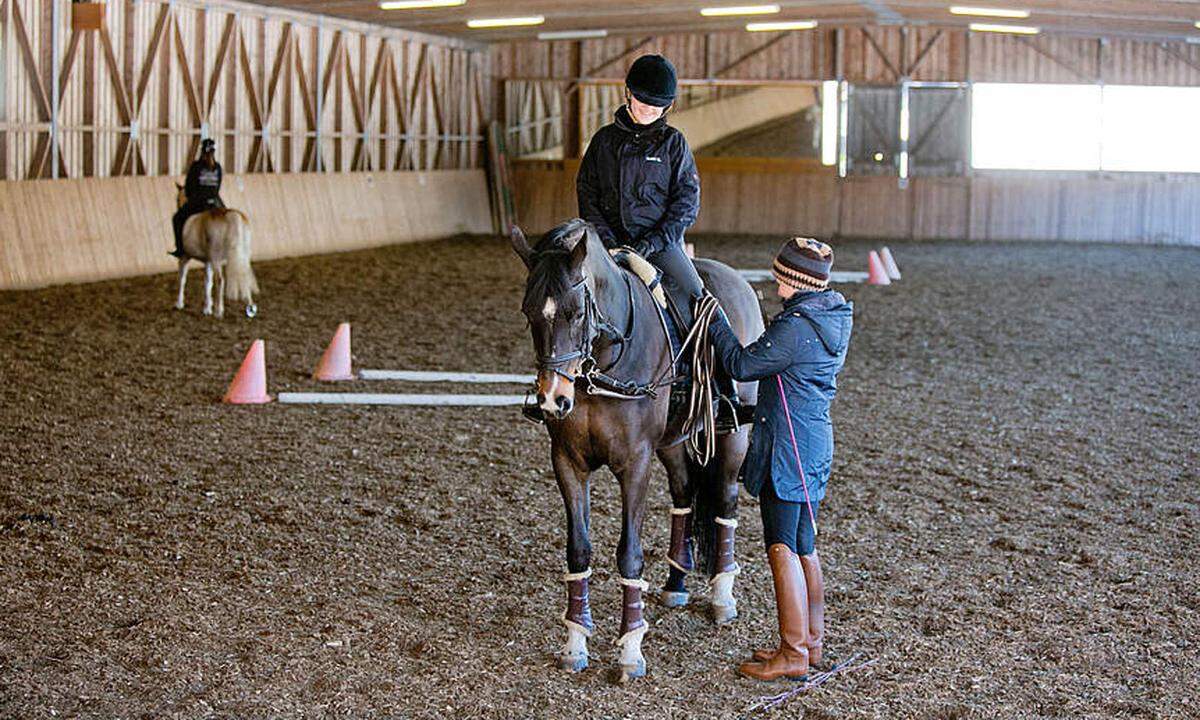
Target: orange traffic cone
249,386
335,363
876,275
889,264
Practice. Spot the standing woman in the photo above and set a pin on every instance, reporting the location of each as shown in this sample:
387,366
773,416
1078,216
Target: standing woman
800,354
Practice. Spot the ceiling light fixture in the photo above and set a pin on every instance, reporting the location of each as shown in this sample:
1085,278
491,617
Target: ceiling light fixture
783,25
988,12
740,10
506,22
572,34
1013,29
419,4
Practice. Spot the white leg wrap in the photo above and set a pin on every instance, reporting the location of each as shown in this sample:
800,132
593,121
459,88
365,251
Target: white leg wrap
727,522
721,586
577,638
681,511
676,565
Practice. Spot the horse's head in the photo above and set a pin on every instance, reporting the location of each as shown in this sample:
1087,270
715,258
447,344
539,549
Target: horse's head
180,196
561,308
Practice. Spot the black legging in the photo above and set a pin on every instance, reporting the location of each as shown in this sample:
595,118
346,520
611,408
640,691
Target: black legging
787,522
677,266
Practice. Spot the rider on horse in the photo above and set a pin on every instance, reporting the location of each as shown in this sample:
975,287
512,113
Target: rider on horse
202,190
638,185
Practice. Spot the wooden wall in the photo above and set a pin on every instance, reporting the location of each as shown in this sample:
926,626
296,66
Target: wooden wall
280,91
80,230
747,196
865,55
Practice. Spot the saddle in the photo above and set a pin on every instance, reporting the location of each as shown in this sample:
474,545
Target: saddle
675,314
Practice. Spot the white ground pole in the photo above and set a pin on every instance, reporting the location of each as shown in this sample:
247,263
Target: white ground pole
837,276
400,399
438,376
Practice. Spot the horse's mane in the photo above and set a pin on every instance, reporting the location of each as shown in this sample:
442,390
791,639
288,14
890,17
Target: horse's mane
550,267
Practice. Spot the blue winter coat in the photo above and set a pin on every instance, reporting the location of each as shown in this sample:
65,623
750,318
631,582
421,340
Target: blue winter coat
806,345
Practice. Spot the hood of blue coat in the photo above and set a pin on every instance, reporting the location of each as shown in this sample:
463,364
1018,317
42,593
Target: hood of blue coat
830,314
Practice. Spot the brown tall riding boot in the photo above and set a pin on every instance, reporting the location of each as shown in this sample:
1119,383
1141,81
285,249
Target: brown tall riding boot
791,603
816,605
814,581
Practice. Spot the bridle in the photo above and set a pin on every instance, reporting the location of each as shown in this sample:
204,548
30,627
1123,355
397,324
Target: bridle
595,324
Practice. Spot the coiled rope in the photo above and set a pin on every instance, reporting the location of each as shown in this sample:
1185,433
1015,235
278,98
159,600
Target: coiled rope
700,425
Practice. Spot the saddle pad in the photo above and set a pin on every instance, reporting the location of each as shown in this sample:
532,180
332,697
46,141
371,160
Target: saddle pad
641,267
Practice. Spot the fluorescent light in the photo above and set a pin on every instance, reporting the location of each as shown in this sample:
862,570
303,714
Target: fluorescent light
783,25
988,12
418,4
740,10
572,34
1014,29
506,22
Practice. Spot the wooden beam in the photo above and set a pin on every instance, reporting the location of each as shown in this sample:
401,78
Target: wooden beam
882,55
908,71
746,56
1051,57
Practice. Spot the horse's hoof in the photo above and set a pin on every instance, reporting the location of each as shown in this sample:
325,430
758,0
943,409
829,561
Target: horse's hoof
724,614
207,312
632,672
673,599
573,663
178,307
251,310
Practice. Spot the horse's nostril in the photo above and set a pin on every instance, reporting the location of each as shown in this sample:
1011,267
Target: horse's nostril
564,405
541,398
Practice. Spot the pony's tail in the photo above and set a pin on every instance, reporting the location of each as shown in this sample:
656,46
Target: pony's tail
240,283
706,504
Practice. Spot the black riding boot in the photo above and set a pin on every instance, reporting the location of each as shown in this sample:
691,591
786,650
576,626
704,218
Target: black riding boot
177,222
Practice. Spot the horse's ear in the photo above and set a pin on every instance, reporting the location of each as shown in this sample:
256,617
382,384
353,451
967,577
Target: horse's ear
178,186
579,252
520,245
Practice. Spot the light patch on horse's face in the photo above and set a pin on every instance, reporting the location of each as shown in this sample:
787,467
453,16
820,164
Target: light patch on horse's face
549,310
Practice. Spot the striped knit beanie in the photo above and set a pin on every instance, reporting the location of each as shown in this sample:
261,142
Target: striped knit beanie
803,263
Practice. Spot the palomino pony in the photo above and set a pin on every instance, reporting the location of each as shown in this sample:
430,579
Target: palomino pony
605,368
220,239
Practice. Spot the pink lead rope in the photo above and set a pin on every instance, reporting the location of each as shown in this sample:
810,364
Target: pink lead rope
796,449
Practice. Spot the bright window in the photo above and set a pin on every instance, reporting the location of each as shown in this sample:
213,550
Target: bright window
1151,129
1118,128
1035,127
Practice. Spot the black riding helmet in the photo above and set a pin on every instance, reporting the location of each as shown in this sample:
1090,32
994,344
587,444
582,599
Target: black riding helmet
651,80
208,145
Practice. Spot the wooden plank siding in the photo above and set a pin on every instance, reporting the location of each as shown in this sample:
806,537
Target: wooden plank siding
739,198
265,83
86,229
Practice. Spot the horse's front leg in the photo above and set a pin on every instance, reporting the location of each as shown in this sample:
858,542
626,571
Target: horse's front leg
679,555
633,476
183,268
573,484
208,288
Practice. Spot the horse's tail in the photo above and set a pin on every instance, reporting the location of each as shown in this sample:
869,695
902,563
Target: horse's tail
706,504
240,283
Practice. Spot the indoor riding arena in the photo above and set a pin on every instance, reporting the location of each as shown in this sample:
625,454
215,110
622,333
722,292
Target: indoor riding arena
355,518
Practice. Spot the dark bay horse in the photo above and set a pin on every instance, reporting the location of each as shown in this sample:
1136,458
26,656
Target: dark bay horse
605,366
